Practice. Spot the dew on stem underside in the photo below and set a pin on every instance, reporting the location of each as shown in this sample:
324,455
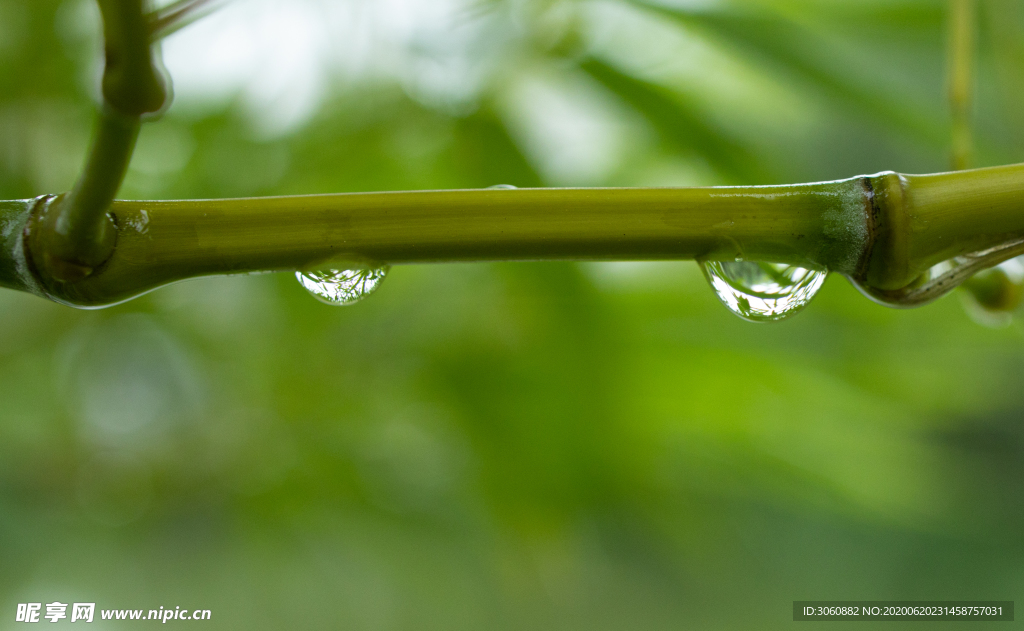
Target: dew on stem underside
342,287
760,291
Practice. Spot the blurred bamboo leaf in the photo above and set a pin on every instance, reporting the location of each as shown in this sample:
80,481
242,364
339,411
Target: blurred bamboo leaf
789,49
679,121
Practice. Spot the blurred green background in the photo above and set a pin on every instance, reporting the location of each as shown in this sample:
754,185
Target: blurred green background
519,445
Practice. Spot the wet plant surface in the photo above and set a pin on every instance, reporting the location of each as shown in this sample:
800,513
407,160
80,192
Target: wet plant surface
509,445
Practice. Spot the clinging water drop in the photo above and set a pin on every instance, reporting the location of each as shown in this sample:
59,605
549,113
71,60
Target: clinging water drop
762,292
342,287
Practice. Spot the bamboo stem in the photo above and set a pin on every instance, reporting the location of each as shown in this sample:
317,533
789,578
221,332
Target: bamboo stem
882,231
78,235
962,27
814,225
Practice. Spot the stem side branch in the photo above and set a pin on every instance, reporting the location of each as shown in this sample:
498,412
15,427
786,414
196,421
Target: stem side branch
76,235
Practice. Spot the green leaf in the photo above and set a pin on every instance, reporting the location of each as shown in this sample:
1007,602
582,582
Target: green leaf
797,52
679,121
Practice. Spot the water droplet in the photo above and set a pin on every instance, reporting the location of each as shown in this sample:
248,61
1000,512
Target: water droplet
762,292
139,222
503,187
342,287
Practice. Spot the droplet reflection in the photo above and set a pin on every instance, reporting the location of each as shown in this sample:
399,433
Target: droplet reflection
342,287
762,292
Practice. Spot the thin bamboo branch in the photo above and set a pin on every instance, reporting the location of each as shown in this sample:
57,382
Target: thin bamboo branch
962,27
883,231
164,241
79,235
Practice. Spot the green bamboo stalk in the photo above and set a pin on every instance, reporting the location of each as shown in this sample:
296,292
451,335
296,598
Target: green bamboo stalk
973,218
164,241
882,231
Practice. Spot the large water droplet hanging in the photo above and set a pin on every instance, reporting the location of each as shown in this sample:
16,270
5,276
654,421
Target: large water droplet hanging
762,292
342,287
